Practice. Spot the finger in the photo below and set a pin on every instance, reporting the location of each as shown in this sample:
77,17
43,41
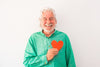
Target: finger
55,49
54,52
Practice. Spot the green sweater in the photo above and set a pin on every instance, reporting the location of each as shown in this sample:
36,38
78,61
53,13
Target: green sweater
37,48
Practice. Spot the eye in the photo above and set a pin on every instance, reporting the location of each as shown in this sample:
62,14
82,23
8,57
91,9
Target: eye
44,18
51,18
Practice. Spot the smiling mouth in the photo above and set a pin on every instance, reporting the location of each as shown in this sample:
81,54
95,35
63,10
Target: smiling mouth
50,25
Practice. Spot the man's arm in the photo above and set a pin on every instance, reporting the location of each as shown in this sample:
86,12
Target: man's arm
30,57
70,61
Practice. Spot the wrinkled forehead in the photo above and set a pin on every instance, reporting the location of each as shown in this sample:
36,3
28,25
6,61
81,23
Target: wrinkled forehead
47,14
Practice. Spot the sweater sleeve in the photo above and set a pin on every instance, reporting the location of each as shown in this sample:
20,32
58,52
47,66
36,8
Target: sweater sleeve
30,57
70,61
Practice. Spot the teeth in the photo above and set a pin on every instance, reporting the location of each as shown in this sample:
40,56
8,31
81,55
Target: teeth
48,25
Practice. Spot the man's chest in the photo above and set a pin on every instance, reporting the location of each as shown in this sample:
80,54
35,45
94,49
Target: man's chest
44,44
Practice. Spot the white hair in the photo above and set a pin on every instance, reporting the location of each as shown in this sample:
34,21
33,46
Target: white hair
48,9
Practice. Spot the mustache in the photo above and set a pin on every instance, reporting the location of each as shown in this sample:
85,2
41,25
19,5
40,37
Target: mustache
49,24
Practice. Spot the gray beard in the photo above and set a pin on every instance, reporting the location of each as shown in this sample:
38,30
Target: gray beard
49,31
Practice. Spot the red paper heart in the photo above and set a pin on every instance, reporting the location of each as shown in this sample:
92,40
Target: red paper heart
58,45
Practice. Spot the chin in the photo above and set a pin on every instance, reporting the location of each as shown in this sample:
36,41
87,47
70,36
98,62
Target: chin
48,30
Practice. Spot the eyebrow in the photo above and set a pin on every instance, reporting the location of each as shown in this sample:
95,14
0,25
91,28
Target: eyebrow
49,17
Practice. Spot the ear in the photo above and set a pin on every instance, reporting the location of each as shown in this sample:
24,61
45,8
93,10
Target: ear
40,19
56,21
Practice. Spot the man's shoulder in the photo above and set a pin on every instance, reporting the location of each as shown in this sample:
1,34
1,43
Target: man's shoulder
35,33
62,33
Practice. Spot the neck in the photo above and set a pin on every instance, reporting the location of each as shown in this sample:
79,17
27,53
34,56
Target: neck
48,34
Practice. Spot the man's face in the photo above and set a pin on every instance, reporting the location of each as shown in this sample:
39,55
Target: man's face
48,21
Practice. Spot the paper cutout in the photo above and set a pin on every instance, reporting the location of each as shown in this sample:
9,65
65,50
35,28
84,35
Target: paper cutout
58,45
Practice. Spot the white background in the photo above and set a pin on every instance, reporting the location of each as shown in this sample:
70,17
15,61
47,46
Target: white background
79,19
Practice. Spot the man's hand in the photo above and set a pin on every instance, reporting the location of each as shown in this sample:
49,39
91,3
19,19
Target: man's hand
51,53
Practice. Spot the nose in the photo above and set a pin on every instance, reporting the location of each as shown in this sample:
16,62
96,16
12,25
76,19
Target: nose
48,21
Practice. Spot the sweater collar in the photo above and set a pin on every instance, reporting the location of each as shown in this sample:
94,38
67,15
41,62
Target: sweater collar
51,34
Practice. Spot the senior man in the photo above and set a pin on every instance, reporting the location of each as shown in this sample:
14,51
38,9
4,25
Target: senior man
49,47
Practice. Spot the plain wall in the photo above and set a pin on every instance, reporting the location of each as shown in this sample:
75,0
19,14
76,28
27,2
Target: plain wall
79,19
